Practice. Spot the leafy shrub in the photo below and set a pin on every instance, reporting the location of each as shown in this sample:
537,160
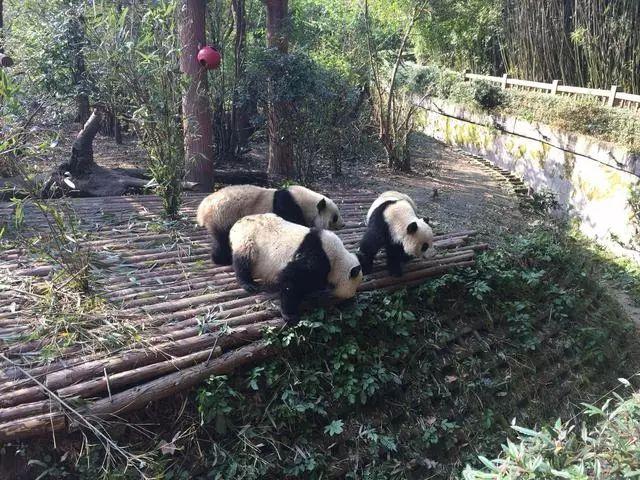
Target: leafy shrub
327,115
565,450
577,115
487,95
156,85
634,204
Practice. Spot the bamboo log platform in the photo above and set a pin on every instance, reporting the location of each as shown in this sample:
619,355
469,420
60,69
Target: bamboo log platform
170,317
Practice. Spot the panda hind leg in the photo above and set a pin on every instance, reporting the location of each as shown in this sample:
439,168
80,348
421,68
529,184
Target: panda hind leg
395,260
242,269
370,244
221,248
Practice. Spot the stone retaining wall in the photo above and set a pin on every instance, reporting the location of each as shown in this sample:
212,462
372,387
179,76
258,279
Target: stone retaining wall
592,180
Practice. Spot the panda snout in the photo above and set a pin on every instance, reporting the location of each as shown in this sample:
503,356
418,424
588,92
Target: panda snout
337,225
430,253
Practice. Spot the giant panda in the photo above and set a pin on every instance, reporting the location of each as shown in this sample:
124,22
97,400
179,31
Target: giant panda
220,210
392,224
295,259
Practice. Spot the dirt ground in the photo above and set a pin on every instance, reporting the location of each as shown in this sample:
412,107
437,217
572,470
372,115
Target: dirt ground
455,191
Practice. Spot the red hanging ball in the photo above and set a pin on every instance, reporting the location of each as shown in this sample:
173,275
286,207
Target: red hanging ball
209,57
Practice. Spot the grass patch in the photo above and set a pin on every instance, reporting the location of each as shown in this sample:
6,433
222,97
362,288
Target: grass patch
409,385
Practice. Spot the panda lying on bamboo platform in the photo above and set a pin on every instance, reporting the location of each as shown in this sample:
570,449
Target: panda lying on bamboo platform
220,210
296,259
392,224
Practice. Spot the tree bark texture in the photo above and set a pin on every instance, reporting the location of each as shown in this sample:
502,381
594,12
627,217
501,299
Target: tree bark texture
198,128
79,70
280,145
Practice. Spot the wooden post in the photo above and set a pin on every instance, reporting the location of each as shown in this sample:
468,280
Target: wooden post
612,95
504,81
554,86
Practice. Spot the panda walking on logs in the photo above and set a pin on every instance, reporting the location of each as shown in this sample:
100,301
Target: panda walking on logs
220,210
296,259
392,224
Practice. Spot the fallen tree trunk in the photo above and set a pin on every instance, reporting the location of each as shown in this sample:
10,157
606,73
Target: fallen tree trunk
239,177
82,177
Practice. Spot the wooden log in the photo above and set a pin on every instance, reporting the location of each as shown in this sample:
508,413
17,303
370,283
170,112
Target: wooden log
136,358
168,385
32,426
98,385
115,382
139,396
418,275
27,410
14,379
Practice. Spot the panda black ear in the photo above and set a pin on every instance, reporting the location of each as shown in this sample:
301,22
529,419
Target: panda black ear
355,271
412,228
322,204
427,220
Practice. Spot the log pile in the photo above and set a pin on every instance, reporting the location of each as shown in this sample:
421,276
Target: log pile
190,317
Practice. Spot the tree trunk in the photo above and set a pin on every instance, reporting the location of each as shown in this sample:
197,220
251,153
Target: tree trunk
117,129
280,146
82,148
198,129
79,70
1,28
237,117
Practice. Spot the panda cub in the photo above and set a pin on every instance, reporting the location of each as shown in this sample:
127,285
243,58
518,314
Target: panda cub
293,258
392,224
220,210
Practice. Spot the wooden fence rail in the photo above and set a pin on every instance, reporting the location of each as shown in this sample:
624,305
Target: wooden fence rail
611,96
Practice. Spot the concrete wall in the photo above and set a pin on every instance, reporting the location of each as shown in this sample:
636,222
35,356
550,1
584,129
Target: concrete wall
592,180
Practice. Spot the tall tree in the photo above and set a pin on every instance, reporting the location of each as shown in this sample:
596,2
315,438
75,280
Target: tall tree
77,40
1,27
280,145
198,129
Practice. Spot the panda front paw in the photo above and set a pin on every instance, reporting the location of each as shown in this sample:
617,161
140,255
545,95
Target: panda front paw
395,271
291,319
366,262
250,287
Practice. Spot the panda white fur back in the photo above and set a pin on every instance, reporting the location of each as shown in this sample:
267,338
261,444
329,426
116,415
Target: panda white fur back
268,242
392,224
221,210
386,196
297,259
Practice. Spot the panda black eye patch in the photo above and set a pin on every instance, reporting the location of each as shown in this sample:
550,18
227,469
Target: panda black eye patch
425,247
335,218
